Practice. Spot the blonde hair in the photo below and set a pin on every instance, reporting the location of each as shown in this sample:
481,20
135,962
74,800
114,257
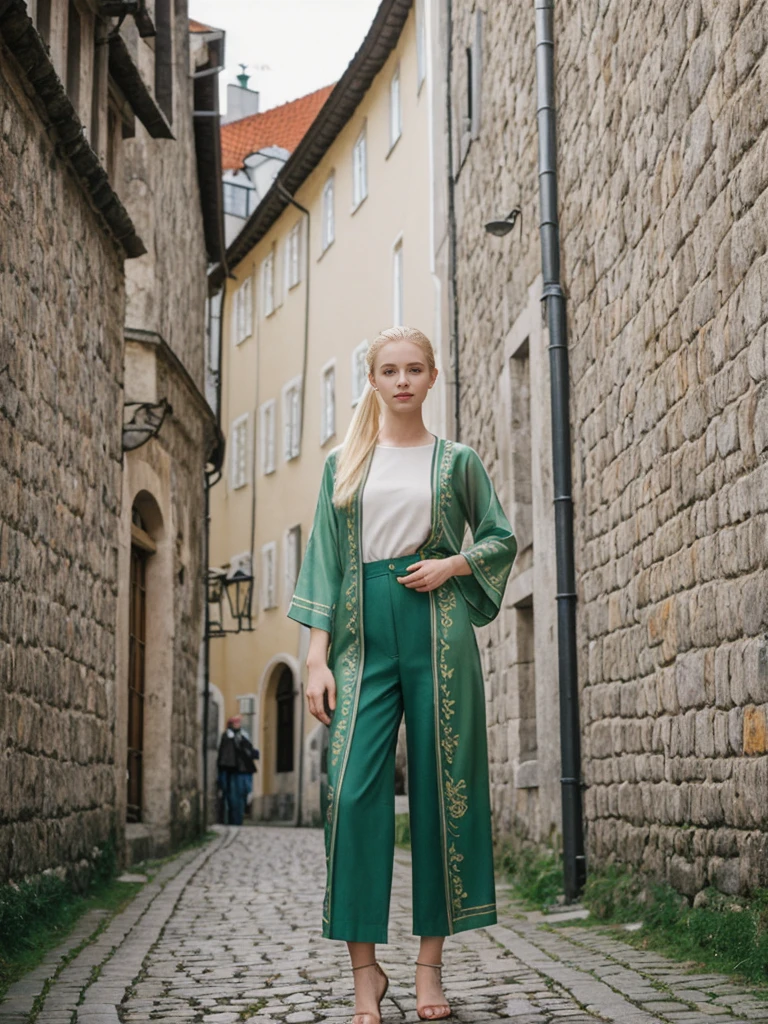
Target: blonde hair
364,428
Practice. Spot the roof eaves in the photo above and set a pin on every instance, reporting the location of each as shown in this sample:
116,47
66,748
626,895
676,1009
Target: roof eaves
381,39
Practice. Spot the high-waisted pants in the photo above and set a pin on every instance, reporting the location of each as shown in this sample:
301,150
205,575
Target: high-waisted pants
397,677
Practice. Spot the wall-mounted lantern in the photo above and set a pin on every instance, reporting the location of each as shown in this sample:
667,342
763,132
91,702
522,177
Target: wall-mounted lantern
239,590
145,422
501,226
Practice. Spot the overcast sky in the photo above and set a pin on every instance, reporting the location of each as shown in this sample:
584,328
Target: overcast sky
306,44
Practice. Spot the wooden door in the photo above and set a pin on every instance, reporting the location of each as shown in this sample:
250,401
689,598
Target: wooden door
137,637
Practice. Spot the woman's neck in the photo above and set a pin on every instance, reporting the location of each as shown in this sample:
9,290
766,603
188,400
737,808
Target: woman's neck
404,431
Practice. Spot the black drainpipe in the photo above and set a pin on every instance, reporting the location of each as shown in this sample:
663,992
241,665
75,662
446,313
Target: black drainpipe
574,864
453,297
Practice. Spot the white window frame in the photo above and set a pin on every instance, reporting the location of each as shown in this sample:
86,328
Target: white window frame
421,46
239,474
327,410
291,561
398,282
268,576
293,256
359,377
268,283
360,169
329,212
395,109
241,326
268,434
292,418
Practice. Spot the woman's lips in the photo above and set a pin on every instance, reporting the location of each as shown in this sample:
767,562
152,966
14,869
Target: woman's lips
400,398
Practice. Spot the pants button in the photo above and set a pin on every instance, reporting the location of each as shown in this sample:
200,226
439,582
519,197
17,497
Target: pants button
391,565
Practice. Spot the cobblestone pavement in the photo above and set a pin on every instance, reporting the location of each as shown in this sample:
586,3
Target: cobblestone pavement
229,934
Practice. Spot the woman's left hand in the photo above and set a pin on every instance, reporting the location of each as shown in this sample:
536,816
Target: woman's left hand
431,573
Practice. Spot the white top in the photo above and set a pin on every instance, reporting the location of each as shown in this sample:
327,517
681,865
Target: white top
397,501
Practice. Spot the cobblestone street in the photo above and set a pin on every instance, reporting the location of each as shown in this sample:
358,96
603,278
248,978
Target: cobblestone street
230,934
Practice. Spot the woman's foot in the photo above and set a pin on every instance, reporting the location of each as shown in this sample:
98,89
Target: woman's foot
371,984
431,1003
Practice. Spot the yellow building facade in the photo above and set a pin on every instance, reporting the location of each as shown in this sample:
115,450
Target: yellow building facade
312,283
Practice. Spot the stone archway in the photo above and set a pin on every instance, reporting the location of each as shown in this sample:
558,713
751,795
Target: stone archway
144,692
279,741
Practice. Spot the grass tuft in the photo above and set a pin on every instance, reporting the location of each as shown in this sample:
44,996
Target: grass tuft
403,831
724,933
536,874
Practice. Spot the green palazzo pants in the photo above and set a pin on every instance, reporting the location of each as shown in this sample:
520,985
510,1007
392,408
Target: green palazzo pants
397,677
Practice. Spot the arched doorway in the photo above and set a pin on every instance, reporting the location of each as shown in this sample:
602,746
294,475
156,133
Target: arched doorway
142,549
285,720
278,740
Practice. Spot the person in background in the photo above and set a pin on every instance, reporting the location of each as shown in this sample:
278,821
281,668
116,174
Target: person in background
236,767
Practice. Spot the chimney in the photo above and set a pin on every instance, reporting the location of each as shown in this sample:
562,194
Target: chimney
241,101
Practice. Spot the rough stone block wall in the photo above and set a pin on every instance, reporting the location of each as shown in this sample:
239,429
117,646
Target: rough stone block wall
186,439
61,345
663,126
663,175
494,172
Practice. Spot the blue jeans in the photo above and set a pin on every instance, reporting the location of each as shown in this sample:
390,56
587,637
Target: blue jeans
235,786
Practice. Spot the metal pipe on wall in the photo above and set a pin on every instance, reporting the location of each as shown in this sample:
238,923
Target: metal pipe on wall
574,863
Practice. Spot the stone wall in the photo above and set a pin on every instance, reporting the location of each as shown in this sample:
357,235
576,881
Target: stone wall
504,399
663,144
664,209
61,345
165,304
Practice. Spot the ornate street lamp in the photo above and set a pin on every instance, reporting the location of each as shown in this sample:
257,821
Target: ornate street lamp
239,587
239,590
145,422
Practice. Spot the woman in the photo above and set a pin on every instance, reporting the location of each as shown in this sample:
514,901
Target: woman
390,598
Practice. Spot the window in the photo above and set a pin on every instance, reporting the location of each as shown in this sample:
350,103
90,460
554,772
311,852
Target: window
74,42
267,429
359,371
237,199
292,256
164,63
421,44
291,561
328,424
397,283
238,453
242,312
269,576
268,283
43,18
395,112
292,419
359,171
328,214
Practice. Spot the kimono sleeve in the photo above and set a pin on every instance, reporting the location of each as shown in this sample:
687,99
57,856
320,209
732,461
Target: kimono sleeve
319,583
493,546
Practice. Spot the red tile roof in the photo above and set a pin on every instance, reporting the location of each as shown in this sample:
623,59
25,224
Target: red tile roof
198,26
282,126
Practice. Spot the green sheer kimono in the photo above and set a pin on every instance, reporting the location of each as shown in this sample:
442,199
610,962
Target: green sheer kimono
329,596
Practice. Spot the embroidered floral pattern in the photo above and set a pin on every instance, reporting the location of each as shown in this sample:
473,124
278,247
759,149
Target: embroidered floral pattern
458,893
478,556
456,795
351,659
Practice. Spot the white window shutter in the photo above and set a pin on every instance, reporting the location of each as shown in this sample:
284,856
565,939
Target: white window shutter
247,309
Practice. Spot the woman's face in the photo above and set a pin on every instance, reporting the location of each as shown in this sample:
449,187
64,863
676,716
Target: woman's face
401,375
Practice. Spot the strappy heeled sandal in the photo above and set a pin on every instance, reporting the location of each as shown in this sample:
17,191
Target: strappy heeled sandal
437,1016
367,1013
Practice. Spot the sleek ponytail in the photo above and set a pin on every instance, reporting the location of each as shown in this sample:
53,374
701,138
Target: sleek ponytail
364,428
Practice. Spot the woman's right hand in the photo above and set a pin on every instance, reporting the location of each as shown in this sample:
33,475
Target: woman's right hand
320,683
320,680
